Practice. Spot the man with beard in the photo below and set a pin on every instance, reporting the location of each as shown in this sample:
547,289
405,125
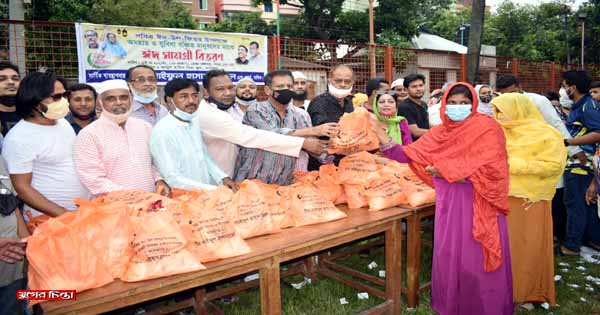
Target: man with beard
9,84
142,82
245,95
413,108
113,152
223,134
300,90
82,106
177,146
401,91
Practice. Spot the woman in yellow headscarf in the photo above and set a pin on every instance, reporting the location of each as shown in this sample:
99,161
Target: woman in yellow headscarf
537,158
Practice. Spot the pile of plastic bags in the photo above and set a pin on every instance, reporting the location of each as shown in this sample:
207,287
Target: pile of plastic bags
360,181
135,236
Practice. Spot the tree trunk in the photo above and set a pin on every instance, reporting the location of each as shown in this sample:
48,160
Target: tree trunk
475,35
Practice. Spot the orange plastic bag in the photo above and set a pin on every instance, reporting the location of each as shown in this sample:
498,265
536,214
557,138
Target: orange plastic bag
159,248
60,259
310,207
139,201
250,211
355,135
34,222
279,201
385,192
356,196
419,195
206,226
327,183
305,177
359,168
107,228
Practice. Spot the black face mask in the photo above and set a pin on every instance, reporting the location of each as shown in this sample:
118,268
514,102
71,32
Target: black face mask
220,105
283,96
247,99
9,101
300,96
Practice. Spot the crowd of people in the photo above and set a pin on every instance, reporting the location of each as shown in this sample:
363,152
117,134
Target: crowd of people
513,171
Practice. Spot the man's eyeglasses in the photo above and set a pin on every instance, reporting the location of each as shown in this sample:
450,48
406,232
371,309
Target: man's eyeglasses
143,80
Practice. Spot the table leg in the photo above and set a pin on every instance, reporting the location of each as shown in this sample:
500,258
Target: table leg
413,259
200,302
393,267
311,264
270,289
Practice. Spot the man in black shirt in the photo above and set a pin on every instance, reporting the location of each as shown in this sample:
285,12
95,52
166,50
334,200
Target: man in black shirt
413,108
330,106
9,84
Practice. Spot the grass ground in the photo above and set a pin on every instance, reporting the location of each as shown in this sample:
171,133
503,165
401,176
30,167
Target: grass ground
323,297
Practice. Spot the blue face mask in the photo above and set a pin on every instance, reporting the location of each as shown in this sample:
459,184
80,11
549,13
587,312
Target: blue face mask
458,112
145,99
184,115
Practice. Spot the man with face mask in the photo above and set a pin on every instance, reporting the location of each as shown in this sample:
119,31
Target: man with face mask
113,153
300,90
223,134
330,106
583,123
484,92
39,148
245,96
177,146
277,115
143,85
9,84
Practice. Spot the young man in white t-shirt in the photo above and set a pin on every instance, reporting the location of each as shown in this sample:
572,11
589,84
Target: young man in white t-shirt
39,148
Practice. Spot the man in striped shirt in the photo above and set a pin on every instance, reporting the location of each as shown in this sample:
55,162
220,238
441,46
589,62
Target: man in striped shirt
113,153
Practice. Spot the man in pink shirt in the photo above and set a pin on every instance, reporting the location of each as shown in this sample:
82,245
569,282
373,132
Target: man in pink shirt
112,153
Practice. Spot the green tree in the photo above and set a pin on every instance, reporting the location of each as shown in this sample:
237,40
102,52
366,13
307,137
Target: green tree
244,23
155,13
405,17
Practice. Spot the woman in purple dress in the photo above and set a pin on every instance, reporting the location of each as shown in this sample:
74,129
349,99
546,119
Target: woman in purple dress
465,160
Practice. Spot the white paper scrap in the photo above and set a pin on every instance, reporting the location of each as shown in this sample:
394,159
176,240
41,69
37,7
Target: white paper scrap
343,301
583,300
381,273
574,286
372,265
563,264
546,306
363,296
557,277
565,270
582,268
251,277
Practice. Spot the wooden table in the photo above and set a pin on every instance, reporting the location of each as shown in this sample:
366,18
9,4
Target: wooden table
413,259
268,252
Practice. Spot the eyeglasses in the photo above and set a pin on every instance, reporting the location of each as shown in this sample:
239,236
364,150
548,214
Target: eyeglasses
143,80
56,97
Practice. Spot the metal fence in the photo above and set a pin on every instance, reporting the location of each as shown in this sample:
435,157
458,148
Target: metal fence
52,45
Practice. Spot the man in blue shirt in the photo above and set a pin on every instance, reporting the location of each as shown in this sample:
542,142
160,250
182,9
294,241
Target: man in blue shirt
580,189
177,147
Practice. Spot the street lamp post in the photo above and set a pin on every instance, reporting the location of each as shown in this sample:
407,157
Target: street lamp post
582,16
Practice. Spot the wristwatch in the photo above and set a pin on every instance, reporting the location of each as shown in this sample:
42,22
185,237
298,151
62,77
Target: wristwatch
566,142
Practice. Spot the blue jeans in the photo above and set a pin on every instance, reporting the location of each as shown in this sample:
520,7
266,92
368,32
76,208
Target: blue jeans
583,223
8,298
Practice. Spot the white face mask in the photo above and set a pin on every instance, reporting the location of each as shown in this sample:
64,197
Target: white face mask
144,97
339,93
118,119
564,100
57,110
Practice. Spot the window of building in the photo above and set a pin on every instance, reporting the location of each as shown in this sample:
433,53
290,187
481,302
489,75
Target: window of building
203,4
268,7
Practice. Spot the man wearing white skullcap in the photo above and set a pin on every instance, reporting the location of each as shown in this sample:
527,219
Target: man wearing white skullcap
113,153
245,95
300,90
401,91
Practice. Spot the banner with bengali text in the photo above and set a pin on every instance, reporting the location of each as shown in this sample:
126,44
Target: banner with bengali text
106,52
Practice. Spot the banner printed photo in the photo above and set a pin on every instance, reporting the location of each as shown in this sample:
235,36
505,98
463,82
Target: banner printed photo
106,52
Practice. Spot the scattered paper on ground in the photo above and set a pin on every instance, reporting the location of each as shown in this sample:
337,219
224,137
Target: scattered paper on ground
372,265
382,273
363,296
343,301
